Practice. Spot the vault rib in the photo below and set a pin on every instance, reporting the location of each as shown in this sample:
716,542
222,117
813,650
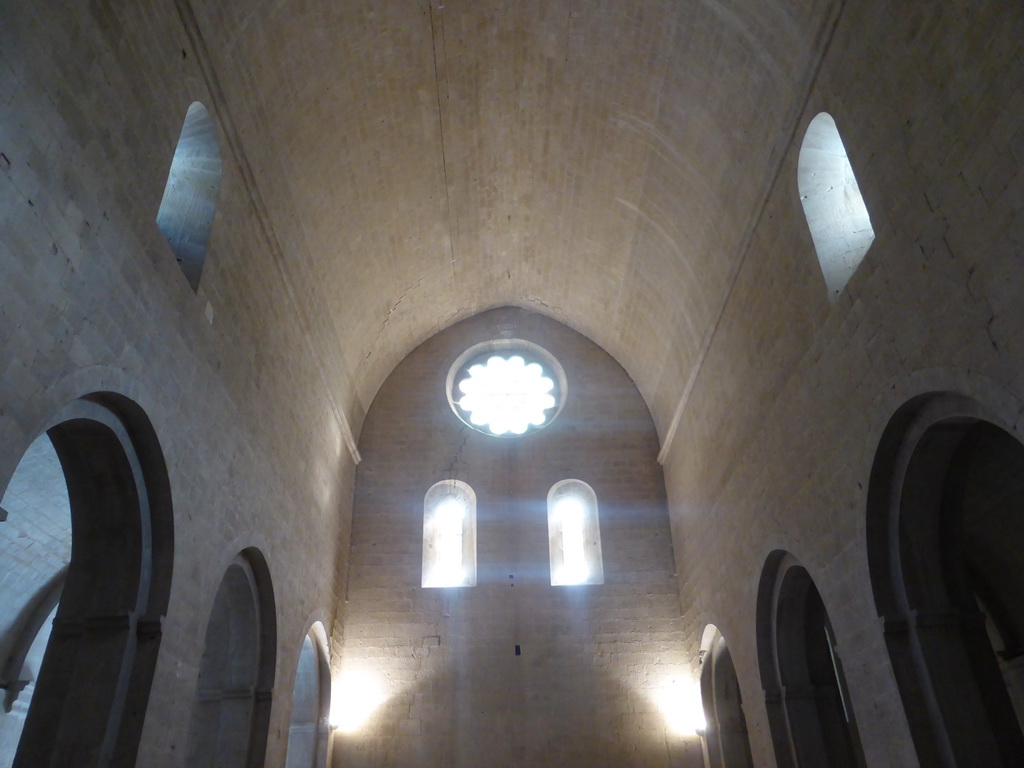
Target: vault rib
440,124
830,26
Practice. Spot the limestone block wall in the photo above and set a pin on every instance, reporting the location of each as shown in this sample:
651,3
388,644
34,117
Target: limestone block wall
255,382
91,299
775,446
594,659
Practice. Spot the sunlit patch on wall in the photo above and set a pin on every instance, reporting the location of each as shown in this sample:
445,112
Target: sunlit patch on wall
680,704
356,695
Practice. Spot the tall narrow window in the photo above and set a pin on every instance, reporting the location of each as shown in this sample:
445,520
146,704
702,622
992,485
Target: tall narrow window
574,535
190,198
836,214
449,535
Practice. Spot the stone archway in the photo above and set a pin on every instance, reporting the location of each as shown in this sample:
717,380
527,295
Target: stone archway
726,736
231,713
945,536
309,730
809,709
92,684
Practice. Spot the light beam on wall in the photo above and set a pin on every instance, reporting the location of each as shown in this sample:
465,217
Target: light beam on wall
681,705
355,697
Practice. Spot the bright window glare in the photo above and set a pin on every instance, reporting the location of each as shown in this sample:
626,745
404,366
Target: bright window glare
449,515
571,512
507,395
574,534
448,522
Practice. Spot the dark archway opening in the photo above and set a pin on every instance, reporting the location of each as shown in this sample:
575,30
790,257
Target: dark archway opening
946,545
809,708
231,713
91,683
728,745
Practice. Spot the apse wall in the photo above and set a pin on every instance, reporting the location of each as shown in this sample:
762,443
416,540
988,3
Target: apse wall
594,660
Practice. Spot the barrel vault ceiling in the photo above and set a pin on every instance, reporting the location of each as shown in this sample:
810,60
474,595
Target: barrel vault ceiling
600,161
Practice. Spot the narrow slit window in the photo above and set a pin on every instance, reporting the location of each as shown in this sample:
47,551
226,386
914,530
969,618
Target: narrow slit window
190,197
449,535
574,534
836,215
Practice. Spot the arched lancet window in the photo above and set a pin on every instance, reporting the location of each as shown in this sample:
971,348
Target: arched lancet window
80,625
728,745
945,536
309,729
574,534
449,535
190,197
236,675
836,215
809,709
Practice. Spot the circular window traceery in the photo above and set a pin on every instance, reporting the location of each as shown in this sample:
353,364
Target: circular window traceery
506,387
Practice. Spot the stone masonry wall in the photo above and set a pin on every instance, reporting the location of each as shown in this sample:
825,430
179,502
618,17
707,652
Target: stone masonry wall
775,446
594,658
92,98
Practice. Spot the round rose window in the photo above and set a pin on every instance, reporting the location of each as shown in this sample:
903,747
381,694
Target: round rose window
506,388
